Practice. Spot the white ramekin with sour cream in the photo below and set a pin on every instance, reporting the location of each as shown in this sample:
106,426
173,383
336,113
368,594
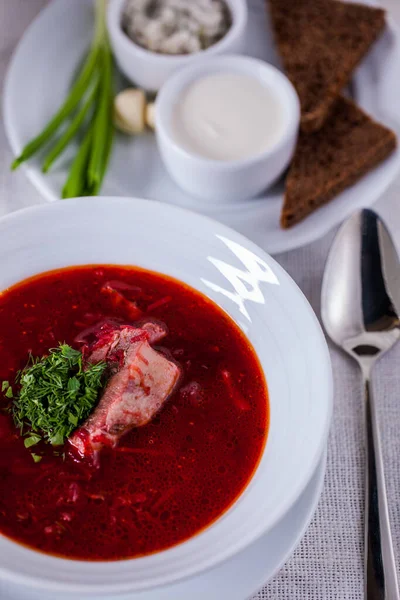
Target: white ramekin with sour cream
227,180
150,70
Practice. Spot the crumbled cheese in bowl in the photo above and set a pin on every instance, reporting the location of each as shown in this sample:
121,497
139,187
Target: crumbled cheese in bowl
176,26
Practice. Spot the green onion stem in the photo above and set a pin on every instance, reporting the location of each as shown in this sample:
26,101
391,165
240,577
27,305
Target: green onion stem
102,121
70,132
100,29
76,181
96,188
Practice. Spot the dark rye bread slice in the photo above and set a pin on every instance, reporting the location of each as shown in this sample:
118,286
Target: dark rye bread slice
320,43
329,160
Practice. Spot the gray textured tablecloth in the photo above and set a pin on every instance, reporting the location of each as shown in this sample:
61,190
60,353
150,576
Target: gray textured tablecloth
328,564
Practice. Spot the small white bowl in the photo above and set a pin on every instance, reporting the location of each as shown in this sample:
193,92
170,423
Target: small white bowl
150,70
226,181
259,296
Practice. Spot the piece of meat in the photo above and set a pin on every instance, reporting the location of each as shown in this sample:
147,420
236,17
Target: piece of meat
112,338
156,330
142,381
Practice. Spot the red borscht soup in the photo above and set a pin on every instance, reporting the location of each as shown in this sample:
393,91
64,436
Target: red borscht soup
129,481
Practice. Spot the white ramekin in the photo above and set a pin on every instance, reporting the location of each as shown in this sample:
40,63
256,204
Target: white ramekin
150,70
226,181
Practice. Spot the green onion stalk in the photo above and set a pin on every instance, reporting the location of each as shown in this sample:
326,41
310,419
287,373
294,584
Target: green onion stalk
86,114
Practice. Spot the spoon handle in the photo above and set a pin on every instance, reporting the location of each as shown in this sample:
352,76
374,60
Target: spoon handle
380,568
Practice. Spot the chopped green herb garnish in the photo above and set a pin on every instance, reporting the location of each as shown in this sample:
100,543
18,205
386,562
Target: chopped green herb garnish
33,439
36,457
7,389
56,394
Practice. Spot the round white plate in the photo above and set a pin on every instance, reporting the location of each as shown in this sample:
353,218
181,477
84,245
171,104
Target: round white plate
41,72
238,578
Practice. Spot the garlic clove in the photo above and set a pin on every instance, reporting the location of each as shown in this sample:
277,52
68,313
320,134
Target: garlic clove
150,115
129,111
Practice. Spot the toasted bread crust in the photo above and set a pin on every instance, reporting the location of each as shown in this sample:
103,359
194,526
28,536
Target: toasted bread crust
328,161
320,43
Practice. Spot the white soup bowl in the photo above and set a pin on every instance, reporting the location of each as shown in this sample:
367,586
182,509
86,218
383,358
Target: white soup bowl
259,296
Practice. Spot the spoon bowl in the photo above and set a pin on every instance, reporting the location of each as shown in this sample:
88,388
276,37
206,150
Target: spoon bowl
361,289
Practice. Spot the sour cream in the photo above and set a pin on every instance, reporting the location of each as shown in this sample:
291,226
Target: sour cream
227,116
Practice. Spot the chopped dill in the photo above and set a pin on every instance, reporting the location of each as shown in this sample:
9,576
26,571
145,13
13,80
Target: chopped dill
55,395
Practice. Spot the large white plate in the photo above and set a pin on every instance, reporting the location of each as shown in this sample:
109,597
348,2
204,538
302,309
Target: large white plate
237,578
41,71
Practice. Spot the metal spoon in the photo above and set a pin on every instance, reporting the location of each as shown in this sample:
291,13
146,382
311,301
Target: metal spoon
360,312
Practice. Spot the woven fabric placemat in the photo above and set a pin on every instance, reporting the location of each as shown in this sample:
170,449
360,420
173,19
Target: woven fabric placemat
328,564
